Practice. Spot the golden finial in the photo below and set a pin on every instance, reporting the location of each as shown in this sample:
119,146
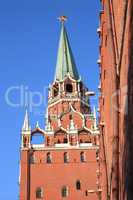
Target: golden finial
63,18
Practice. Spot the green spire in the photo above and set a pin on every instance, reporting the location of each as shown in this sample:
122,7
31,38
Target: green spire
65,60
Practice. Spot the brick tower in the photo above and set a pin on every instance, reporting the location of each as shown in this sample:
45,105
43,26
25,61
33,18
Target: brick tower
66,164
116,99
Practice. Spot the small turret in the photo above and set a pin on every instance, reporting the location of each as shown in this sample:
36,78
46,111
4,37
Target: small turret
26,131
26,124
73,132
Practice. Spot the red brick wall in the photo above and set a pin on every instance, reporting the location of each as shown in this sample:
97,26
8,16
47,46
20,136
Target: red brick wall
115,34
52,177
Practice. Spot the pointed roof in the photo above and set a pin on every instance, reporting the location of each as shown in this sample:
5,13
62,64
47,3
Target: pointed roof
26,124
65,60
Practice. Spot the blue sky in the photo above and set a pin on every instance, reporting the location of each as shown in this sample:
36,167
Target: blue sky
29,35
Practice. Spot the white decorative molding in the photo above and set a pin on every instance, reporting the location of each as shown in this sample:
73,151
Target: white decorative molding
85,144
48,132
56,100
62,145
26,132
37,146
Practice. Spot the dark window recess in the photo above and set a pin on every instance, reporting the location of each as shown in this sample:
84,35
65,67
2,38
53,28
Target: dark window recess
103,101
82,157
70,116
64,192
81,87
81,141
58,141
32,159
49,158
66,157
86,193
69,88
104,74
106,40
78,185
65,140
39,193
25,141
56,91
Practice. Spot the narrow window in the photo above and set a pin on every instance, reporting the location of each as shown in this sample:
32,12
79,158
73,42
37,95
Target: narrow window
104,73
49,158
58,141
69,88
81,87
55,90
86,193
64,192
65,140
32,159
106,40
82,157
25,141
70,116
81,141
39,193
78,185
66,157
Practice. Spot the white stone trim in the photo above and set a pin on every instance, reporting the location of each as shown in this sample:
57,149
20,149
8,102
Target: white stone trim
37,146
77,147
67,99
85,144
62,145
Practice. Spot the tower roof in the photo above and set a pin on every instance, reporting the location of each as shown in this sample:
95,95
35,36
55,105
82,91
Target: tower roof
26,124
65,60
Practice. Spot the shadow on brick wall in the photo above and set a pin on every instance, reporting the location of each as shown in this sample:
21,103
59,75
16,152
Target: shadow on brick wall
128,126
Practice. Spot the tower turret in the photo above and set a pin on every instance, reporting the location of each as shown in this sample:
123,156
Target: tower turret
26,132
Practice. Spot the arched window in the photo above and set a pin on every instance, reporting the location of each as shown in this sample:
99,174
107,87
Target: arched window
82,157
56,90
39,193
69,88
64,191
65,140
81,141
58,141
70,116
86,193
66,157
25,141
49,158
78,185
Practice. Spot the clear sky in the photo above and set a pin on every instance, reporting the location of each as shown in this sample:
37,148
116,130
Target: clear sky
29,35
